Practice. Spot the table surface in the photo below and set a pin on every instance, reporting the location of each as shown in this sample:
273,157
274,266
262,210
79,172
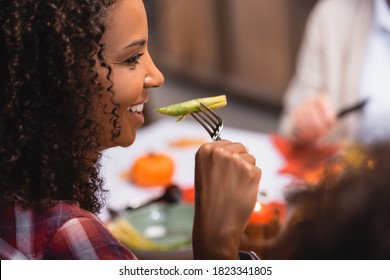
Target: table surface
158,136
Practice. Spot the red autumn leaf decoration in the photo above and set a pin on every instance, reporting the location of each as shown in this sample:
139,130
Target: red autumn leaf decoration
306,162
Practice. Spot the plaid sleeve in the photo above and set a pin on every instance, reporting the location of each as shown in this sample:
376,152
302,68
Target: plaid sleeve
85,238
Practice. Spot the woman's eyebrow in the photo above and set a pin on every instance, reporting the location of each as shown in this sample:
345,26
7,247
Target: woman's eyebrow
135,43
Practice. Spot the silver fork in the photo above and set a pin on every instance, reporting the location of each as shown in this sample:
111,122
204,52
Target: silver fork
209,120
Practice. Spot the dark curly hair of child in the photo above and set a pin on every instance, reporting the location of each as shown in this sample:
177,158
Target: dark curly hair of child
342,218
49,136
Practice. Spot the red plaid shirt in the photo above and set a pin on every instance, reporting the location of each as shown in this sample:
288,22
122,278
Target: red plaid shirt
64,231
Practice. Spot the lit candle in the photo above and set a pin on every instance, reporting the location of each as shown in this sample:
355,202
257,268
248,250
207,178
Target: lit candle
262,214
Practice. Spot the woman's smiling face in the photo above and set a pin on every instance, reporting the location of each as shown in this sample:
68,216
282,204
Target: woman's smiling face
133,70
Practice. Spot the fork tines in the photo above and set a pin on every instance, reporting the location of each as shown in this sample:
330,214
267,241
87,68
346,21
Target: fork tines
209,120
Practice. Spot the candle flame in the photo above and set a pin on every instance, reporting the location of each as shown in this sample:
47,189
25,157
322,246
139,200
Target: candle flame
257,207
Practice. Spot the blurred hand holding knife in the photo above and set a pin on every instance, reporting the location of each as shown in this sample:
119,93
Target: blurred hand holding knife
349,109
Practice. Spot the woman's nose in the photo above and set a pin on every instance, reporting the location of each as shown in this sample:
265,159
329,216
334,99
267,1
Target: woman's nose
153,78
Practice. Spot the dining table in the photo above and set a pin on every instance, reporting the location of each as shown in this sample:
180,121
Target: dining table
159,137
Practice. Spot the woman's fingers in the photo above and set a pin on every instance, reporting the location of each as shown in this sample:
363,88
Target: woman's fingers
239,149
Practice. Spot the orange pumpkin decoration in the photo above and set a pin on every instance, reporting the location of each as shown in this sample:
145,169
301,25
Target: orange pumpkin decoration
152,169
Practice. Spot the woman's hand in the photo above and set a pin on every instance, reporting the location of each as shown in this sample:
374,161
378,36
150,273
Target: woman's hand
313,119
226,186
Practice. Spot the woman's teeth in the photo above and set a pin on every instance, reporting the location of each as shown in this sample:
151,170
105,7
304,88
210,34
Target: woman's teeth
136,108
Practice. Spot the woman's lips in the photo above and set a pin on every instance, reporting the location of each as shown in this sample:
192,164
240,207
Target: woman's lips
136,112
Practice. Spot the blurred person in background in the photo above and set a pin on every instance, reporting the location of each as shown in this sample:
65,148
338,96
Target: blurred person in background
343,217
344,59
74,79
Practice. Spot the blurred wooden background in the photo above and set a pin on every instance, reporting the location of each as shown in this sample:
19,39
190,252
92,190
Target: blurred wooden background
246,48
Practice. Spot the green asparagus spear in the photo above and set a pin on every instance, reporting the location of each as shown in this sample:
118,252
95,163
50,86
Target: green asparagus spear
184,108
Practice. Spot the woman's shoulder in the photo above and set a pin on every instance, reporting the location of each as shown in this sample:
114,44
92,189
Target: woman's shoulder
81,235
333,19
29,230
344,5
334,11
65,211
51,218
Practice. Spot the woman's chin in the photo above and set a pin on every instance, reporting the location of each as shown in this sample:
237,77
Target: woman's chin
126,142
121,141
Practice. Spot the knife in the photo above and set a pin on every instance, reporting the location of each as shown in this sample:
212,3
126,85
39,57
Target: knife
349,109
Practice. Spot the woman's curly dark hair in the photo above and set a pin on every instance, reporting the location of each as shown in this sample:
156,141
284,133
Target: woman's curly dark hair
49,134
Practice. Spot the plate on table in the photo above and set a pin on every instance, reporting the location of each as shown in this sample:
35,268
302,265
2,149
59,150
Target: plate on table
157,231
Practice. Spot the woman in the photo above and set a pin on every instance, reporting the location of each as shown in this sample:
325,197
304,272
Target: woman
343,61
74,78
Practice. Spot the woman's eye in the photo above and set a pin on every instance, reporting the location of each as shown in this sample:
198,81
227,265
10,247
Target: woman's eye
133,60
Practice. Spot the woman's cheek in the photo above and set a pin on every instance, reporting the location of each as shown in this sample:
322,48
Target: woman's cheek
127,85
